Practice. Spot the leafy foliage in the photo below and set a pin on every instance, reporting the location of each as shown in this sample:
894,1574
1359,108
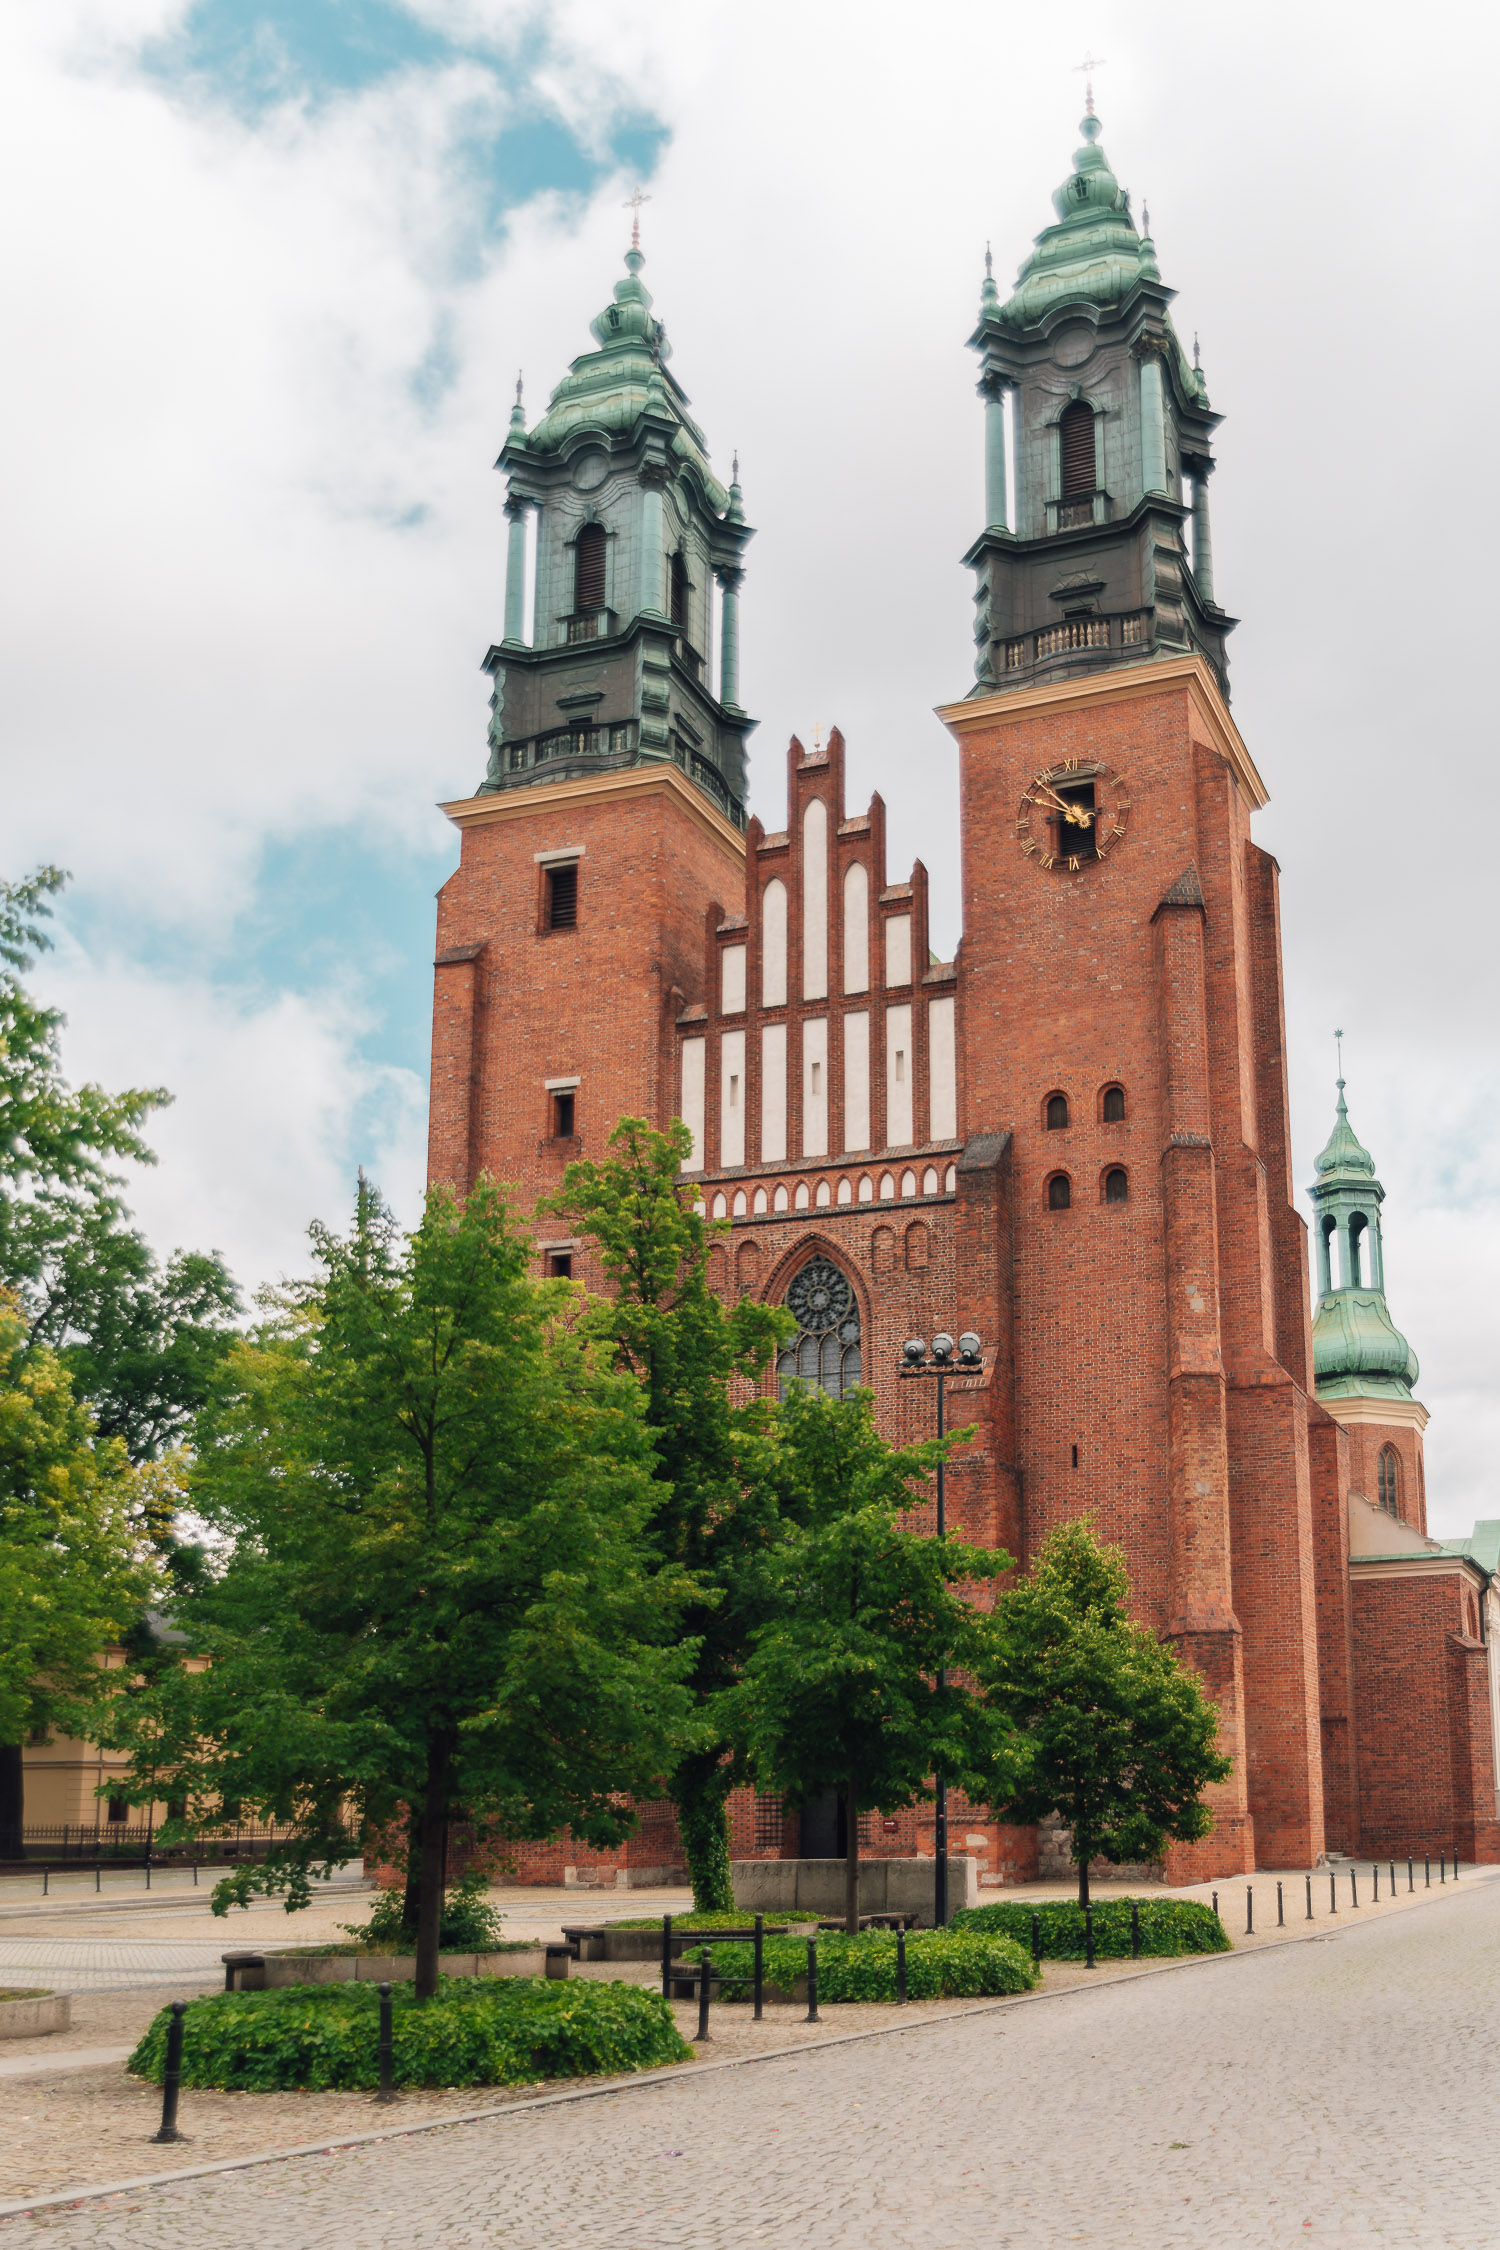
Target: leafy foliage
690,1355
486,2031
718,1918
436,1496
469,1924
1168,1926
845,1686
940,1964
1120,1738
75,1566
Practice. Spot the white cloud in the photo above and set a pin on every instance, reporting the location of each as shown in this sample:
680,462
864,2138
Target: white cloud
272,1095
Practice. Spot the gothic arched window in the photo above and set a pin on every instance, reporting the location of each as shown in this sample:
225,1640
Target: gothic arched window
1057,1113
826,1349
1117,1185
1059,1192
1388,1480
1112,1108
1076,429
588,568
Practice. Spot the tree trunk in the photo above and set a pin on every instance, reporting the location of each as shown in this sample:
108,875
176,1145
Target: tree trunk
12,1800
851,1861
434,1852
699,1792
411,1902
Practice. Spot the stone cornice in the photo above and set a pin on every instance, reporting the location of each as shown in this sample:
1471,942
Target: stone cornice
1394,1413
1130,683
1418,1566
659,779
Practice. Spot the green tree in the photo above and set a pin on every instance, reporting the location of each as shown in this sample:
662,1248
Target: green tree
139,1343
841,1690
1120,1739
76,1560
432,1498
699,1365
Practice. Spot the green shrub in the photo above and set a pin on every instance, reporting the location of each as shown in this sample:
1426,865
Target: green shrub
470,1924
1168,1926
940,1964
500,2031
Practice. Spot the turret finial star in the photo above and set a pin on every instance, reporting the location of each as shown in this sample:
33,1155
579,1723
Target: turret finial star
1339,1037
633,205
989,264
519,381
1088,66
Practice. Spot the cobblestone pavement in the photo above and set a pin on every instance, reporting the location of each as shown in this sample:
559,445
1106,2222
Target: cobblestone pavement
1341,2090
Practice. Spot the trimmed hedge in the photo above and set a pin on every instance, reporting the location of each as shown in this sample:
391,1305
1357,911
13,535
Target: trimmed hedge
1168,1926
507,2031
940,1964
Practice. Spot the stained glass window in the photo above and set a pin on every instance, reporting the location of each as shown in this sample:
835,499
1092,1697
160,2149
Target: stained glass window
826,1349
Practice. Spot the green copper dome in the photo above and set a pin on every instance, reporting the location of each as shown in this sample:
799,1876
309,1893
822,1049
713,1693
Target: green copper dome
1344,1157
1358,1351
1094,252
610,390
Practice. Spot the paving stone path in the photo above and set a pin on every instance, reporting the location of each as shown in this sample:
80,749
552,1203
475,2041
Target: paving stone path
1340,2091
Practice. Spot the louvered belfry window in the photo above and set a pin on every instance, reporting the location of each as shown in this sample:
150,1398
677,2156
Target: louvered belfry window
588,568
1079,471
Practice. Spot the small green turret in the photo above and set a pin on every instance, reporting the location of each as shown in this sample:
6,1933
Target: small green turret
1358,1351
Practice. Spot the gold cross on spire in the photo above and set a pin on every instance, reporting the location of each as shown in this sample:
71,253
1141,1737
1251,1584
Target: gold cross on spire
633,206
1088,66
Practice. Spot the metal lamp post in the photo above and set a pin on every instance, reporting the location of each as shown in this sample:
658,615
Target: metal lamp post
947,1358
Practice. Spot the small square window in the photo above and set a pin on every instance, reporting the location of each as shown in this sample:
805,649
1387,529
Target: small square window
559,1265
562,1115
118,1810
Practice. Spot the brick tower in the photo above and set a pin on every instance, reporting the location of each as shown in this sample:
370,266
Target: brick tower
610,818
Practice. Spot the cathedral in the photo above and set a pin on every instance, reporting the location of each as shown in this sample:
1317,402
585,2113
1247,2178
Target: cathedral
1071,1140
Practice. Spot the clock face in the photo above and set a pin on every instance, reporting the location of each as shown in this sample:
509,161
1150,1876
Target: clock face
1073,815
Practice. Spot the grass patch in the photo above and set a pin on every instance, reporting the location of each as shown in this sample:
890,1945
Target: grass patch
1169,1926
940,1965
508,2031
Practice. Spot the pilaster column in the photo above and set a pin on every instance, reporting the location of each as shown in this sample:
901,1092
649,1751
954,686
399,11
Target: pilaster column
1153,416
729,638
1203,546
515,571
653,543
996,513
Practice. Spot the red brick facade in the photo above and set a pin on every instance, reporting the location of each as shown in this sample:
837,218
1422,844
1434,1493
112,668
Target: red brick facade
1147,1355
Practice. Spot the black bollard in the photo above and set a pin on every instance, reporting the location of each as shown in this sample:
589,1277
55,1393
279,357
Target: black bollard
1442,1867
1411,1880
900,1963
1353,1887
812,1981
760,1967
44,1882
1088,1936
172,2076
195,1874
1280,1912
387,2045
1249,1910
1309,1898
96,1875
666,1957
705,1989
1393,1878
1216,1906
1036,1937
1333,1896
1455,1863
1427,1869
1135,1930
1375,1872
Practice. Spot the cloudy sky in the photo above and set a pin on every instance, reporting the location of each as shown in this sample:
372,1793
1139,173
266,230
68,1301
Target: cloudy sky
271,270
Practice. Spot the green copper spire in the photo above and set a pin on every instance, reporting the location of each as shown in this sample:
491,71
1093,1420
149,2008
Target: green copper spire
1358,1351
1093,252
